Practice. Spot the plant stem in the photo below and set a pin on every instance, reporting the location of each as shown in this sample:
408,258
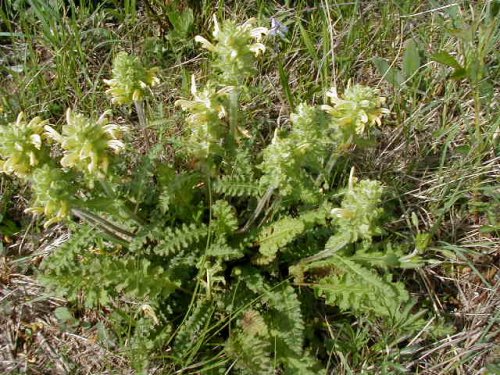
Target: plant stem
139,107
328,168
108,227
327,252
262,202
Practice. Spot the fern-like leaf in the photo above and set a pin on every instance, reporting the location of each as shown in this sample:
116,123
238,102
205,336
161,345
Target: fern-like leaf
278,234
224,251
83,265
174,240
355,288
192,329
285,320
225,221
282,232
139,279
251,353
237,186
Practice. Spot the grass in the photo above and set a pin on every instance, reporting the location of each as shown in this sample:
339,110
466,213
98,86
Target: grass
438,155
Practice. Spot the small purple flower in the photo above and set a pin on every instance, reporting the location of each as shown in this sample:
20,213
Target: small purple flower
277,28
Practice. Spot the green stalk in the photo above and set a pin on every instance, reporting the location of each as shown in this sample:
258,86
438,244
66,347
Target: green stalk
120,234
328,168
341,242
143,121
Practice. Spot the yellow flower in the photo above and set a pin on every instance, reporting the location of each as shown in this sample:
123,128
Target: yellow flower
130,79
356,111
207,110
21,146
86,142
235,48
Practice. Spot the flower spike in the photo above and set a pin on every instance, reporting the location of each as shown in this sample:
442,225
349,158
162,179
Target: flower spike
131,79
86,142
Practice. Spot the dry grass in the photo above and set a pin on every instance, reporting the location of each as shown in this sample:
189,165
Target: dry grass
32,339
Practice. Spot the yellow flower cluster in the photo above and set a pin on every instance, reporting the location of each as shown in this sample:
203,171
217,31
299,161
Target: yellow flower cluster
86,142
86,146
235,48
53,194
21,146
356,111
207,110
130,79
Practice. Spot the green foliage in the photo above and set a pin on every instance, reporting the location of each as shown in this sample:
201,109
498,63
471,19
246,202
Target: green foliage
250,351
410,65
225,221
206,247
287,156
359,289
101,274
182,22
276,331
476,39
277,235
193,326
237,186
172,240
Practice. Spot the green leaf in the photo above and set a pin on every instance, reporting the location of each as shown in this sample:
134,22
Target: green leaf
446,59
360,290
182,21
63,314
489,228
494,9
104,335
459,74
392,75
285,83
11,34
464,149
308,43
422,241
411,59
465,34
277,235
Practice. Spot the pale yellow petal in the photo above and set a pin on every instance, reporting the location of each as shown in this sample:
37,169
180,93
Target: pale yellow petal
204,43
